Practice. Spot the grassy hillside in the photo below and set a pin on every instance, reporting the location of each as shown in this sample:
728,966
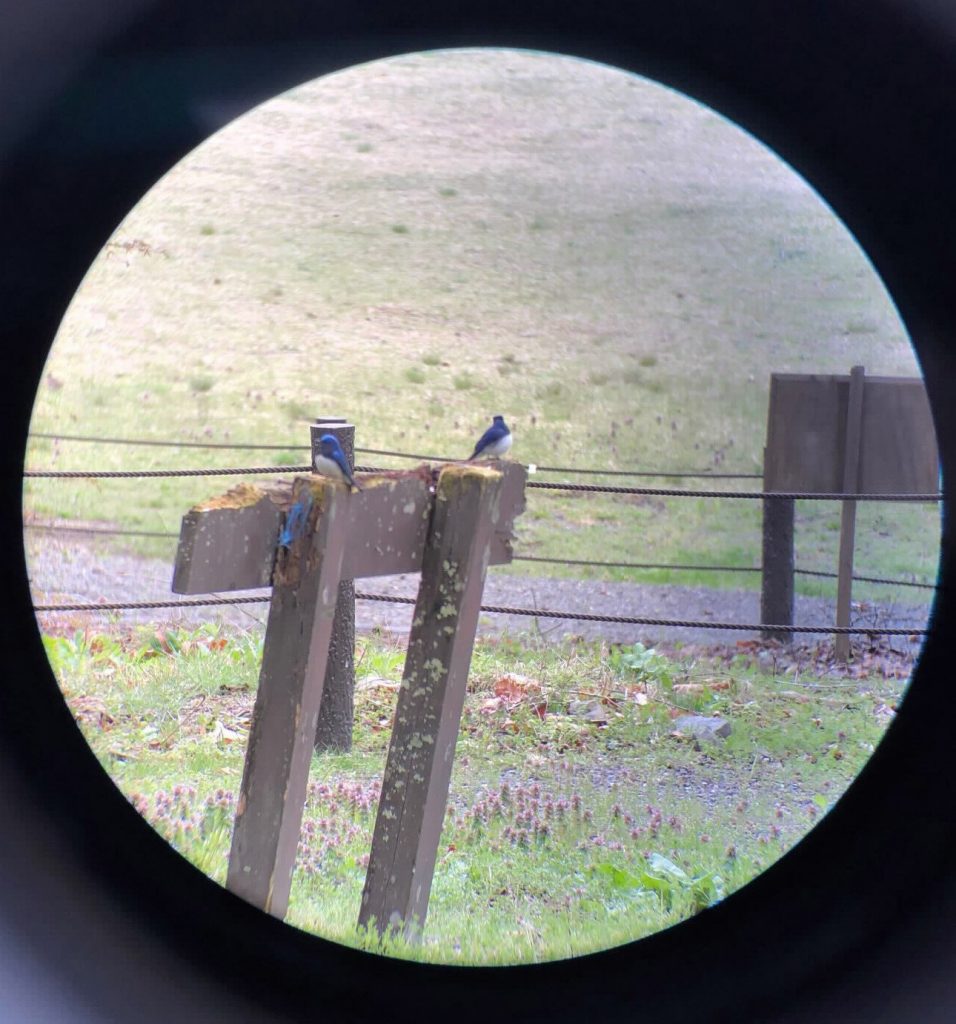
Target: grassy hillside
419,243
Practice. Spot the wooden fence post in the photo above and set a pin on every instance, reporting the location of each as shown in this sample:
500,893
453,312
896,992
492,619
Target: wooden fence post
851,474
275,777
776,592
411,809
337,712
302,538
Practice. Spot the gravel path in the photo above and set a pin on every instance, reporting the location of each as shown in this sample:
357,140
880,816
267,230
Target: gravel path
86,571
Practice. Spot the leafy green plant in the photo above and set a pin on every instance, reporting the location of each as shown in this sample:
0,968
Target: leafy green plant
666,880
644,663
68,655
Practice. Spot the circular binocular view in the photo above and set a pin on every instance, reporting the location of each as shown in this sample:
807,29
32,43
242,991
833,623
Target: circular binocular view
482,507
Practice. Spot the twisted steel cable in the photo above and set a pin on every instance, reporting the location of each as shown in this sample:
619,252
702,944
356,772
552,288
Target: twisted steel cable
505,610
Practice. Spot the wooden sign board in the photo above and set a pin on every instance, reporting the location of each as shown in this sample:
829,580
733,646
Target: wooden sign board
806,435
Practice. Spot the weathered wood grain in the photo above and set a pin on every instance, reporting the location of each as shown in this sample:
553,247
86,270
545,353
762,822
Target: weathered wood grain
425,730
851,478
272,794
806,435
337,712
229,542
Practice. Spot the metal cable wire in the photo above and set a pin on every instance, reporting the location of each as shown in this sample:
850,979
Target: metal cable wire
239,446
576,470
664,492
117,606
53,528
635,565
70,474
540,613
94,530
869,579
714,568
672,492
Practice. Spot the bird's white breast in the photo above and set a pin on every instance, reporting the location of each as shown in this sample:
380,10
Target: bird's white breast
499,447
327,467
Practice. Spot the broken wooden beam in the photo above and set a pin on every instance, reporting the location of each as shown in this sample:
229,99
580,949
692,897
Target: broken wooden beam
229,542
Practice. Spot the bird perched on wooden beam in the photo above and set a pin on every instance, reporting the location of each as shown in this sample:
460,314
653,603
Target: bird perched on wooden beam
495,441
330,461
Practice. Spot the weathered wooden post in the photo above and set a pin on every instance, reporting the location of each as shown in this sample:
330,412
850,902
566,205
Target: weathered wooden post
411,809
336,714
851,482
776,591
282,737
303,538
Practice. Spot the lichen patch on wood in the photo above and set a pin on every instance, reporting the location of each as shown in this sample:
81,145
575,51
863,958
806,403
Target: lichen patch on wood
241,496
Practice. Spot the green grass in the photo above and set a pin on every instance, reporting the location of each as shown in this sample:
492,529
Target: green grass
577,817
567,300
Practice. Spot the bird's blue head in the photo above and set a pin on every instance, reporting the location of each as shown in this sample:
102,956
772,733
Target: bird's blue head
328,443
499,420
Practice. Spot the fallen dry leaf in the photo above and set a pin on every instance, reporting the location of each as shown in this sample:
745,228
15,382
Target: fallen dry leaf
223,734
514,687
711,684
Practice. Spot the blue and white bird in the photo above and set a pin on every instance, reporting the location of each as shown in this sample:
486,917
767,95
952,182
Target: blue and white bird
495,441
330,461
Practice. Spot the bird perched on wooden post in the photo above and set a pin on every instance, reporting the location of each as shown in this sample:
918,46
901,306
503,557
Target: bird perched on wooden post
495,441
330,461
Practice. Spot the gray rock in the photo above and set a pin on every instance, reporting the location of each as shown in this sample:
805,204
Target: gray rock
701,728
590,710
